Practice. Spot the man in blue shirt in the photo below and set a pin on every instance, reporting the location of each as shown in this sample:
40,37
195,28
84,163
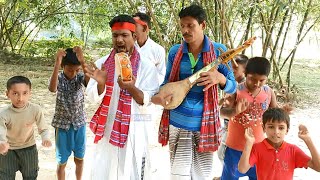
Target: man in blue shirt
194,124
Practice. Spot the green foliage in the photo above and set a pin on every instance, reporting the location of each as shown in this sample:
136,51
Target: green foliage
48,48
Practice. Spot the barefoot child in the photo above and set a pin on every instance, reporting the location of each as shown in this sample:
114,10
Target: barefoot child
274,158
18,151
69,119
245,109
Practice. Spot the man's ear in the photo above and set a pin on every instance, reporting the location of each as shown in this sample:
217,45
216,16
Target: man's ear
264,129
7,93
134,36
145,29
204,25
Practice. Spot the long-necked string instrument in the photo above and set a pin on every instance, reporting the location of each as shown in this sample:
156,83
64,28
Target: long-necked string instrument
180,89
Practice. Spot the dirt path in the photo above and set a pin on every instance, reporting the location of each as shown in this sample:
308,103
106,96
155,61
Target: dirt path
309,116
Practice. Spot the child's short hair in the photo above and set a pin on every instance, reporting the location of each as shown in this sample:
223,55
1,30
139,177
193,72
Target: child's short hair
258,65
70,58
241,59
18,80
275,114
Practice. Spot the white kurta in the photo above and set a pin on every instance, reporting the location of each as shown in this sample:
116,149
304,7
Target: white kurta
156,53
111,162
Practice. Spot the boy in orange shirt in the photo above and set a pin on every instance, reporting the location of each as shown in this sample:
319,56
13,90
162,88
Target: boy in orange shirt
274,158
245,109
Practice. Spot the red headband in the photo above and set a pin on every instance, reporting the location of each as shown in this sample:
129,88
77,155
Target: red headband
124,25
139,21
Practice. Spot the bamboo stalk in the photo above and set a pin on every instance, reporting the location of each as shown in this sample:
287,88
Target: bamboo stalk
298,38
285,37
155,22
275,47
246,32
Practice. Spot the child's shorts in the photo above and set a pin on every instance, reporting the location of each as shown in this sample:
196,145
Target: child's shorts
68,141
230,168
24,160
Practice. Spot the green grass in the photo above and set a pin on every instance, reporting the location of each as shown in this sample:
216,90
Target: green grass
39,75
305,76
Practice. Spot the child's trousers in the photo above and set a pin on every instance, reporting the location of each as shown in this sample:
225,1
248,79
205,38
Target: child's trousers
24,160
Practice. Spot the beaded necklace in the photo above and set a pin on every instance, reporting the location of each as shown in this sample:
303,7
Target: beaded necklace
253,114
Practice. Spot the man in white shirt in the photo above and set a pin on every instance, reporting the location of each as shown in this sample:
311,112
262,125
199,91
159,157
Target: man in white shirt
120,123
156,53
147,47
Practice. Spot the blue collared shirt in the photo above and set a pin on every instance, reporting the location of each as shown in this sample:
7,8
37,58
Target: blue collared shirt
188,114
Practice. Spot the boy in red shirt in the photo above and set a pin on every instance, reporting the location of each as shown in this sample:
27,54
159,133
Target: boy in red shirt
274,158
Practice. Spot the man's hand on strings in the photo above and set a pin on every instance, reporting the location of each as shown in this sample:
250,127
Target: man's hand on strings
210,78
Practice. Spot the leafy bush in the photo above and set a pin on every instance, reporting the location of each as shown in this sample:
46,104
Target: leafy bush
48,48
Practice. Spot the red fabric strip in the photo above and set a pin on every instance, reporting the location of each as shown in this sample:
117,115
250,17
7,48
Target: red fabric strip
124,25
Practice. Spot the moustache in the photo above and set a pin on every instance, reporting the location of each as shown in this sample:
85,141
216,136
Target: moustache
186,35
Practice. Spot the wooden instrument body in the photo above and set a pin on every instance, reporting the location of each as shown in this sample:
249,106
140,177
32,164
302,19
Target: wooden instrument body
180,89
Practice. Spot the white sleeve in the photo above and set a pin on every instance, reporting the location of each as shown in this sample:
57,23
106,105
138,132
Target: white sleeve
147,75
92,87
161,66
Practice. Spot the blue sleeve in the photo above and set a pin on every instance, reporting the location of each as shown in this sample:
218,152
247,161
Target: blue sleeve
172,53
231,84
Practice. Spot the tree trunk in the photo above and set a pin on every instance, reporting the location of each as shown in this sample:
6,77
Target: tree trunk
297,42
285,37
275,47
246,33
269,28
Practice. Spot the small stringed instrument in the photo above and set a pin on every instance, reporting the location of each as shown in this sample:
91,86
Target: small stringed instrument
180,89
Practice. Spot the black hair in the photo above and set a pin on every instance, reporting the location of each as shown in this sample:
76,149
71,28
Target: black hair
18,80
70,58
258,65
194,11
275,114
143,17
241,59
121,18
